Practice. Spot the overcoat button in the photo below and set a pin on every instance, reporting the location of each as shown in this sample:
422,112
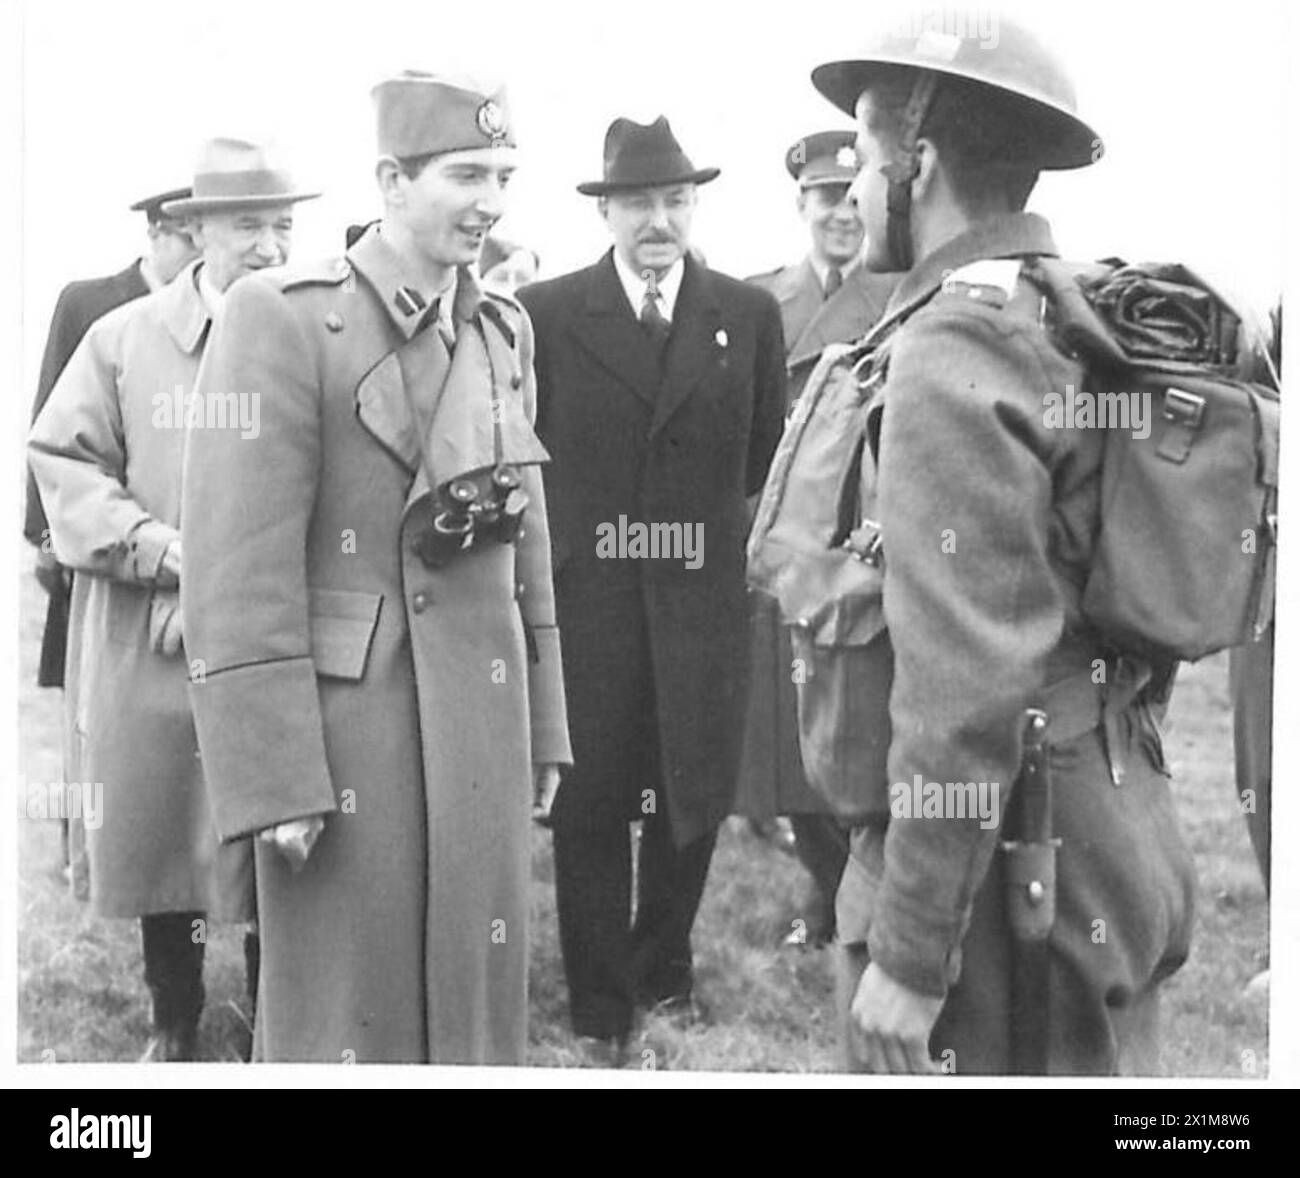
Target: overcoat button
334,321
516,381
419,601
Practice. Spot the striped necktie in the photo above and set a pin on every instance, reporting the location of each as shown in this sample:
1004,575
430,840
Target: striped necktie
652,319
834,280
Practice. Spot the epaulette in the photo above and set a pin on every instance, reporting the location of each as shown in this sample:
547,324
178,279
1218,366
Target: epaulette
991,281
312,272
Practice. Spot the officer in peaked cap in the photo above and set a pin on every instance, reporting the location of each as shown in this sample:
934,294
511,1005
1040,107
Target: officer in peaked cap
828,297
1031,937
369,585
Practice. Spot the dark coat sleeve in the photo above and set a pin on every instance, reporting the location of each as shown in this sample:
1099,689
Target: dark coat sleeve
769,393
66,329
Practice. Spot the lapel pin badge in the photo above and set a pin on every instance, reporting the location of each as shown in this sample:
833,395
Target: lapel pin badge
721,337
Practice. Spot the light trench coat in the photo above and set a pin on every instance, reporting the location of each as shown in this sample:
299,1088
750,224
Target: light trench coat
107,451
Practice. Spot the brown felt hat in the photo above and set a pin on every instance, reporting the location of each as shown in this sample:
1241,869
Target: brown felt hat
233,174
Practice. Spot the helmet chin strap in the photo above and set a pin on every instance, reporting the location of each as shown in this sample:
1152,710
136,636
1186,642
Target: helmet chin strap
902,171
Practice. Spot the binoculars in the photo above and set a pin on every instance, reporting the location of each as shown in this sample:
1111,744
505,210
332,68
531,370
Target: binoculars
486,504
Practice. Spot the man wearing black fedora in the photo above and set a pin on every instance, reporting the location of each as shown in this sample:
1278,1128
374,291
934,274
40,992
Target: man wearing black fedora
660,399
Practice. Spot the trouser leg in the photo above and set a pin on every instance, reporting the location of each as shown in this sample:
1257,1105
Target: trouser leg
173,971
823,848
670,884
593,896
1125,902
1250,671
252,963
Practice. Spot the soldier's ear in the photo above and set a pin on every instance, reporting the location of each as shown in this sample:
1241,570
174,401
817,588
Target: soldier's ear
929,169
388,176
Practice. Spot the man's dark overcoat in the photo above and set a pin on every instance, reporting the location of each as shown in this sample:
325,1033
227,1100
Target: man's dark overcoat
656,654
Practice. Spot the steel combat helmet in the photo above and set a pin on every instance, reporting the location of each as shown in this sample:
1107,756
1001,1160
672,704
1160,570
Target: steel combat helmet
1049,132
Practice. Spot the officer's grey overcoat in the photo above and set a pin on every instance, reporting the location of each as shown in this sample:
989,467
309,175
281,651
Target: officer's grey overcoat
335,673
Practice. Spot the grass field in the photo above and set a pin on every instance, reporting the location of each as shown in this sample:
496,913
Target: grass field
81,996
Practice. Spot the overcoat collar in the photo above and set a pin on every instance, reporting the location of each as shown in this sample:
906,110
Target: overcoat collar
612,334
797,281
183,310
431,409
843,317
383,268
697,345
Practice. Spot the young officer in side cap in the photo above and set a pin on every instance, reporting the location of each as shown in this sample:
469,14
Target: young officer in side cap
367,587
107,451
660,389
827,298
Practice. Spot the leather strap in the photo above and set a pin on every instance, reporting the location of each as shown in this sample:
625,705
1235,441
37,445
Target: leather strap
903,169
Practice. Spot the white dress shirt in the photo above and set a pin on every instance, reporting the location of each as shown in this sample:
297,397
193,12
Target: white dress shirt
634,286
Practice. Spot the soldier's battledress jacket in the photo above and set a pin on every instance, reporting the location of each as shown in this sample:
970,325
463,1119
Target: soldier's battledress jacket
987,518
334,673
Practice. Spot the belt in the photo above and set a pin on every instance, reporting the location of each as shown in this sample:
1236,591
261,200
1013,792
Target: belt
1078,704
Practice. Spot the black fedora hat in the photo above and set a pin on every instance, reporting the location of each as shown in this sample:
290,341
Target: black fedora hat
638,156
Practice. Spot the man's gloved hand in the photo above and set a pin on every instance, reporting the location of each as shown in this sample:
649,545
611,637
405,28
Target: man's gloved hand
546,780
165,626
51,575
295,839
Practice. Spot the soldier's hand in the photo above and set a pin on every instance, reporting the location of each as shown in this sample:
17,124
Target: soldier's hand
546,780
892,1024
51,575
169,571
294,840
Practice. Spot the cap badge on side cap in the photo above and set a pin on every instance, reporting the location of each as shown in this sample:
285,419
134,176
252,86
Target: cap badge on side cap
846,157
491,120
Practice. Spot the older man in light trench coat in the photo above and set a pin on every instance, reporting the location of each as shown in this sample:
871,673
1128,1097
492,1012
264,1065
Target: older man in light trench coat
107,453
377,677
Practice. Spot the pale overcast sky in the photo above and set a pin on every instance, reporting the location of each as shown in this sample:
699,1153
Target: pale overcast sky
118,95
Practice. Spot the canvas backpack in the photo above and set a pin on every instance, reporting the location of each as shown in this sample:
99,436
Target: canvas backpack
1183,563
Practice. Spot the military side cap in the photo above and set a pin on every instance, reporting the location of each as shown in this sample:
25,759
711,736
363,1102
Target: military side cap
644,156
151,206
424,114
826,157
232,175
